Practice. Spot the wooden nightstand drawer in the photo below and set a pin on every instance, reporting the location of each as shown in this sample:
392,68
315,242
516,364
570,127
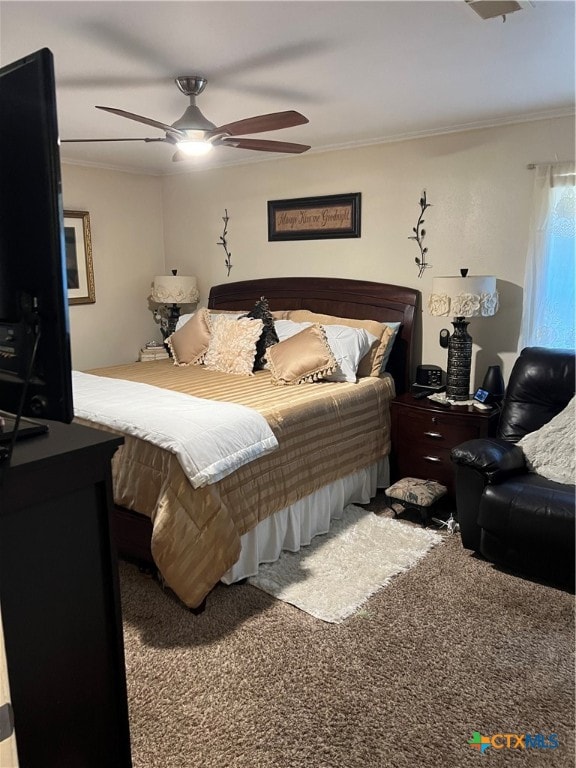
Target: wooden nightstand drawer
426,464
441,428
423,434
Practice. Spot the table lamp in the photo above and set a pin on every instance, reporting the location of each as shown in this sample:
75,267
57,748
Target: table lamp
461,297
171,291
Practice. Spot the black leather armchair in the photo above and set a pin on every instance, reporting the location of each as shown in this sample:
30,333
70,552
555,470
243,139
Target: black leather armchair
511,516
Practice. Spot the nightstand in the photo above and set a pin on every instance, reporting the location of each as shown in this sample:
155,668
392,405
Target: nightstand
423,435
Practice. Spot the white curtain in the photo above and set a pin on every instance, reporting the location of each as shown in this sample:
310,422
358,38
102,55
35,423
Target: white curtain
549,283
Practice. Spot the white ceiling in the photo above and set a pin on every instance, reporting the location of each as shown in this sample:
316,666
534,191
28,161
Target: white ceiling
362,72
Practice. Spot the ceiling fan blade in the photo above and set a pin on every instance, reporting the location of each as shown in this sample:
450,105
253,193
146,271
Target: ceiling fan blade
80,141
109,81
261,123
262,145
145,120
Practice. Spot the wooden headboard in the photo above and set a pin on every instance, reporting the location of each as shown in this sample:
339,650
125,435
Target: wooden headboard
359,299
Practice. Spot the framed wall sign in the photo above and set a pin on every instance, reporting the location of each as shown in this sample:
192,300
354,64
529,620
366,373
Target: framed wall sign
314,218
79,267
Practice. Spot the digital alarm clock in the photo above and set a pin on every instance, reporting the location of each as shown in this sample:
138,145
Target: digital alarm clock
429,376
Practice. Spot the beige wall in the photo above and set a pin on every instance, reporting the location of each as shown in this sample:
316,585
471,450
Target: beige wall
128,250
477,182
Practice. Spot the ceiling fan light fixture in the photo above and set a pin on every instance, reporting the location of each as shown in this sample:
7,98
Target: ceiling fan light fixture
194,147
194,135
194,120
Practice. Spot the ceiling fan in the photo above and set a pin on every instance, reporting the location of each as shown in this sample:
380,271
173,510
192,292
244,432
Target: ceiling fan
192,134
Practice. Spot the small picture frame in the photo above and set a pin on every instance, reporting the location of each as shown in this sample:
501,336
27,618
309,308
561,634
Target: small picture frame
79,266
482,396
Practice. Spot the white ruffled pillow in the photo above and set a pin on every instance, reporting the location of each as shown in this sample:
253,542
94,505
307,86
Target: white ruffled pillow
232,347
550,451
348,345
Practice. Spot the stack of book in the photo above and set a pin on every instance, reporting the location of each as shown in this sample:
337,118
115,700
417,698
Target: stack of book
154,350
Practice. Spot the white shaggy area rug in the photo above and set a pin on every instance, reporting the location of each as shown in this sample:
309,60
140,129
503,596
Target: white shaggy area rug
335,575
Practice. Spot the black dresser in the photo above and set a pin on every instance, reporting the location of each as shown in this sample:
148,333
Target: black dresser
60,602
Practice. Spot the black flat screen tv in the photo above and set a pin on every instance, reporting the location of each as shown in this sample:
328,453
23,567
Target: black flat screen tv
35,363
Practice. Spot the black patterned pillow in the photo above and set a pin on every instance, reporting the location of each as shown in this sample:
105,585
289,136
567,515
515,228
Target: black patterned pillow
268,337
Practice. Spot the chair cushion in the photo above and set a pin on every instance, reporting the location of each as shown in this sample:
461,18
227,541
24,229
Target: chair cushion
530,508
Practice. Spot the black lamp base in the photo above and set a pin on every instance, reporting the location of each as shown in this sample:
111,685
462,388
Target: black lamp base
171,321
459,361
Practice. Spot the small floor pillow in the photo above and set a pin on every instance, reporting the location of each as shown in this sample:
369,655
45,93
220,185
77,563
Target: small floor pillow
414,490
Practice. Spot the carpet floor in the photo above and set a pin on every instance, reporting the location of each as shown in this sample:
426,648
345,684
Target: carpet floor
451,647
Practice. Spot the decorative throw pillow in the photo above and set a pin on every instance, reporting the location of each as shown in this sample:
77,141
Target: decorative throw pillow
268,337
189,343
371,363
305,357
348,345
549,451
234,313
394,327
233,344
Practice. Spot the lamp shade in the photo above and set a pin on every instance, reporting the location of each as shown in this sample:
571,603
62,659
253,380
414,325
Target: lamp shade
474,296
174,289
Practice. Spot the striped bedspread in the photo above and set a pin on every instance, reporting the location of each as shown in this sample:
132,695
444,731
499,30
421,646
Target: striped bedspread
325,431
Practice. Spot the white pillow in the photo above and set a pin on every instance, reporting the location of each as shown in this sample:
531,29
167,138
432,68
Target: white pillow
550,450
288,328
182,320
348,345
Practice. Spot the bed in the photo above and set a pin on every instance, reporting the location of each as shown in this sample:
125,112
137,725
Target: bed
332,446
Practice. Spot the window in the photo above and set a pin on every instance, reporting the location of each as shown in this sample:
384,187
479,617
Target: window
550,280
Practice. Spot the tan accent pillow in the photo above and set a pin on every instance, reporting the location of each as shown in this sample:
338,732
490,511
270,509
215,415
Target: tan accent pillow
190,343
233,344
371,362
304,357
235,312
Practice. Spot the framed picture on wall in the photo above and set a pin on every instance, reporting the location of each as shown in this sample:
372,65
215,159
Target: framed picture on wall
79,267
314,218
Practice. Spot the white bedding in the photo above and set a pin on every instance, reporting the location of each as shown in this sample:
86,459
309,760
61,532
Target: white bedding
211,439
